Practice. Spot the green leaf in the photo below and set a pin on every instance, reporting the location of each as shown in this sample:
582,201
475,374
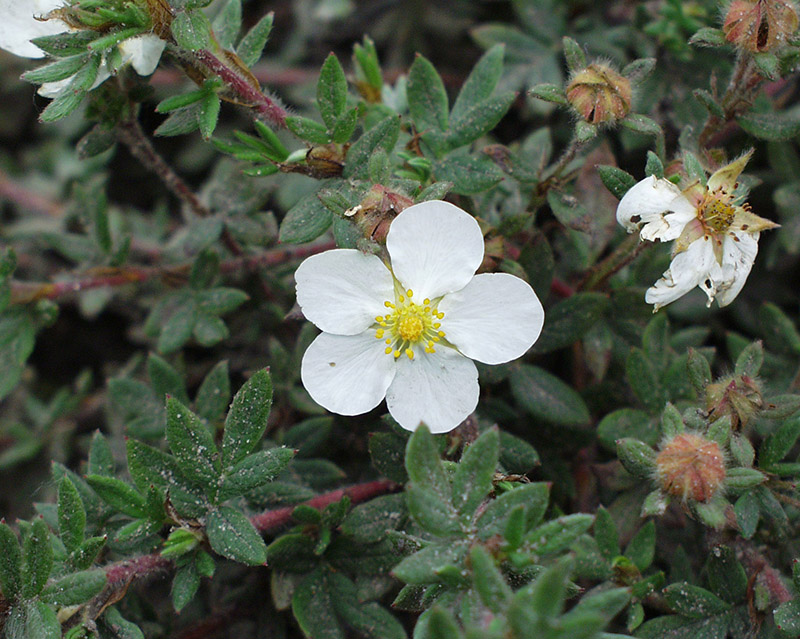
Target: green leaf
472,480
617,181
191,30
726,576
386,450
545,596
747,513
423,566
557,535
478,120
549,93
772,127
427,98
252,44
214,393
247,418
192,445
533,497
38,559
232,535
424,465
641,549
65,44
75,588
432,513
750,360
221,300
644,382
641,124
699,371
545,396
637,457
569,320
313,608
345,126
165,380
383,135
787,617
778,329
180,122
441,624
779,443
469,174
208,114
489,582
33,620
605,534
708,37
626,422
178,328
10,562
184,586
227,23
59,70
180,101
119,495
694,602
517,455
101,459
481,81
576,58
71,515
254,470
308,129
306,220
369,522
331,91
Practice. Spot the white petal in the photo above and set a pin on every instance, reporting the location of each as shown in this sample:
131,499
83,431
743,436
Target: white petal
143,52
347,374
435,248
493,319
439,389
343,290
18,25
688,269
737,260
656,206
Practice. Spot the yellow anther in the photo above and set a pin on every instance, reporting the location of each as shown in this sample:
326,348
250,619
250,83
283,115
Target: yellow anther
410,353
379,333
410,293
396,354
437,325
440,333
440,315
402,299
388,350
426,301
388,304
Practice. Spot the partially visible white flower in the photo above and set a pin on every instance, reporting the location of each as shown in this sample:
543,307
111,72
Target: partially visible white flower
408,331
23,20
716,237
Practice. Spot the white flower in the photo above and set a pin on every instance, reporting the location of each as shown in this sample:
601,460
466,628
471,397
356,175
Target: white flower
716,237
23,20
409,330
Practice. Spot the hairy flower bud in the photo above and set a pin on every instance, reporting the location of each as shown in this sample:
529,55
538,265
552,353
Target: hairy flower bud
599,94
690,467
759,25
738,396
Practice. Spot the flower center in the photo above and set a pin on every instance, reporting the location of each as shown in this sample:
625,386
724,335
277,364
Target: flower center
409,325
716,213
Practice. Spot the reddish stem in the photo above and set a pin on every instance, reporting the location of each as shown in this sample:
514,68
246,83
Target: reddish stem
264,105
124,571
273,519
26,198
26,292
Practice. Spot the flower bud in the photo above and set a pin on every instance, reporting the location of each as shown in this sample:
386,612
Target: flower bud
599,94
738,396
759,25
690,467
377,210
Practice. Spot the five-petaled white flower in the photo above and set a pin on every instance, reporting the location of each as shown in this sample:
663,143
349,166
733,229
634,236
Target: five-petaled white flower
409,330
23,20
716,236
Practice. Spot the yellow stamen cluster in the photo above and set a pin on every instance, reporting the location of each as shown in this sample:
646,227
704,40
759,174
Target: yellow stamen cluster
716,212
409,324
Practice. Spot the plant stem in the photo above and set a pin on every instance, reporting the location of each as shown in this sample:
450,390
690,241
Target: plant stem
120,575
624,254
265,106
27,292
131,134
27,199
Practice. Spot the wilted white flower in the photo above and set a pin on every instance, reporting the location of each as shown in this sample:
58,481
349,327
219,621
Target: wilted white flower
23,20
409,330
716,237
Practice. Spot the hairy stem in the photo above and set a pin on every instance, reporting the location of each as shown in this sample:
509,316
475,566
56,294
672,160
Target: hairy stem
266,107
26,292
131,134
